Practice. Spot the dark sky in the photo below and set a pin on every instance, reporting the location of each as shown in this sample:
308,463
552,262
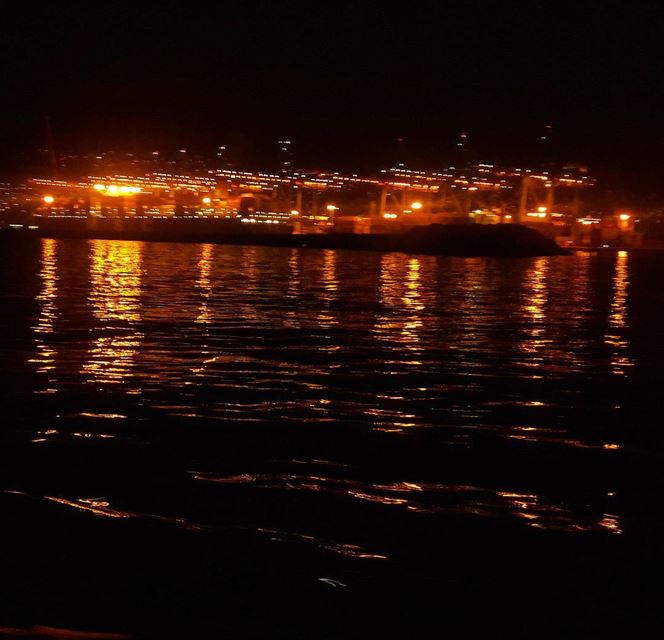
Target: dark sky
344,80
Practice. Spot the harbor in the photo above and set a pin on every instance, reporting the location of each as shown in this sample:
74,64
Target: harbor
231,205
332,321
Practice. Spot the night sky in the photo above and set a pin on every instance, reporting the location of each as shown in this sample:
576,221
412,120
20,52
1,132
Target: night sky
343,81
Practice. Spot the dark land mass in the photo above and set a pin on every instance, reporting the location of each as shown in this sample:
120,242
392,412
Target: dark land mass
506,240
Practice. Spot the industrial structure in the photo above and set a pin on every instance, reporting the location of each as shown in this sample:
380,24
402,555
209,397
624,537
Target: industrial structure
395,198
291,201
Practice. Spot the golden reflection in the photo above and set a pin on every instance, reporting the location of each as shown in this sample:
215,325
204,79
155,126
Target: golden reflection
204,317
204,284
291,319
330,284
554,289
534,311
115,279
542,515
618,314
98,506
536,282
615,337
531,509
611,523
412,300
401,298
48,273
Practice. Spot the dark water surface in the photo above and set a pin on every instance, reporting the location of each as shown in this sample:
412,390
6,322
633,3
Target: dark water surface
259,442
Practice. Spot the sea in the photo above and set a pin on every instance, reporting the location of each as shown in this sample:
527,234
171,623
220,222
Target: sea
208,441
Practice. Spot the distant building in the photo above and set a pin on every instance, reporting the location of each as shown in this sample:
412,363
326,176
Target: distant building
285,157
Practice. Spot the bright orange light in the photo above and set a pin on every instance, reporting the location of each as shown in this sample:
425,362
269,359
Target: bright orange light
207,200
625,216
115,190
416,205
508,217
49,199
295,212
542,209
389,216
331,207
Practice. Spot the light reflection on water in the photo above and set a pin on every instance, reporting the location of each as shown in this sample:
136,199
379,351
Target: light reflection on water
115,290
534,310
412,301
328,291
204,284
46,354
399,298
615,337
450,354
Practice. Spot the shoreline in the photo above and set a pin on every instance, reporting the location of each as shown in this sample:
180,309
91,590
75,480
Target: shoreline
460,240
582,249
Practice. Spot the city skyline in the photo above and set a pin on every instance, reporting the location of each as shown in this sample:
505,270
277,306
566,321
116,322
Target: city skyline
344,83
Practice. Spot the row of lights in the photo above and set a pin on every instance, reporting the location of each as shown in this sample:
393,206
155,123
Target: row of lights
415,206
116,190
124,190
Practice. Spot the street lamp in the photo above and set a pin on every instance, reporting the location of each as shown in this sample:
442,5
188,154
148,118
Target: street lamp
625,221
49,199
331,209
